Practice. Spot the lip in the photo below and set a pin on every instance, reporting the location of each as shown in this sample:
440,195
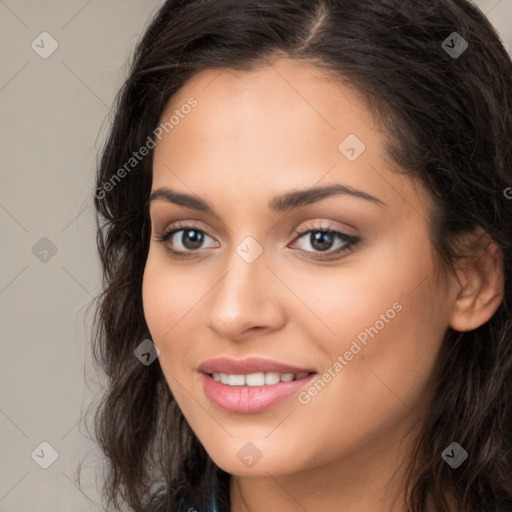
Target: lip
250,399
248,365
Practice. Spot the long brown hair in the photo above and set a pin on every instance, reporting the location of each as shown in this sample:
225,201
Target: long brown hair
448,122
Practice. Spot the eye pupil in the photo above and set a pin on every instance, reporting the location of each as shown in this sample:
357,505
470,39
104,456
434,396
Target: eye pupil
196,237
319,236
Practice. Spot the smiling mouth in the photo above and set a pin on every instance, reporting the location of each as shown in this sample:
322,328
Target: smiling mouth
253,392
258,378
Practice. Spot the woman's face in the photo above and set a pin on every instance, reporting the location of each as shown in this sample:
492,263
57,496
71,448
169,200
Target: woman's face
357,319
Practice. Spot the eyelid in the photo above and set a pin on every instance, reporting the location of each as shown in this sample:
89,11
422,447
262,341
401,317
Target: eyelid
318,225
184,226
349,240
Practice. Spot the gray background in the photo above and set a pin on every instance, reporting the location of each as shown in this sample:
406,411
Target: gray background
53,117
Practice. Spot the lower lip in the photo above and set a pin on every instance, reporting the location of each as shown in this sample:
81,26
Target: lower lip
248,399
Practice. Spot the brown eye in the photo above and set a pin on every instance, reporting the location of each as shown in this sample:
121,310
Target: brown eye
191,238
183,239
323,239
186,240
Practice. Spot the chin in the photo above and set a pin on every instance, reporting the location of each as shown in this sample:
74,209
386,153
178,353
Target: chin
247,460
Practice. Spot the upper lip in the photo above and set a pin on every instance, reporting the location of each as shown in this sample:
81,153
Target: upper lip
248,366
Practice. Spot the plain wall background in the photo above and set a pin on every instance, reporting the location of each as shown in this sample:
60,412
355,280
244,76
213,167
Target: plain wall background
53,117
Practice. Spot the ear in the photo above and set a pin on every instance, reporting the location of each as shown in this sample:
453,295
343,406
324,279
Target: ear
481,284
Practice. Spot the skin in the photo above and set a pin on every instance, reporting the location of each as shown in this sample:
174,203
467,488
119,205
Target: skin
252,136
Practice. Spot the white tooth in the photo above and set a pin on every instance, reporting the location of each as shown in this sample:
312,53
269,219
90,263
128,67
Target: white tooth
272,378
301,375
216,376
236,380
255,379
286,377
223,378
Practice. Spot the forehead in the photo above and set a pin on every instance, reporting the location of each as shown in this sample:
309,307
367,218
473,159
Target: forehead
279,125
285,92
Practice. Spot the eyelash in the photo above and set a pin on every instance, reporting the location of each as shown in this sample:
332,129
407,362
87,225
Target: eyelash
350,240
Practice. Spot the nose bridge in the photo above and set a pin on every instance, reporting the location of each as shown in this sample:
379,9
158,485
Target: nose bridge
243,297
246,267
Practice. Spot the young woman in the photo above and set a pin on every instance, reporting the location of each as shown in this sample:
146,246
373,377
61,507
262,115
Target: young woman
305,229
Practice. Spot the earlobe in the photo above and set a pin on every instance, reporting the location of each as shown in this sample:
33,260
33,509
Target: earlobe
481,286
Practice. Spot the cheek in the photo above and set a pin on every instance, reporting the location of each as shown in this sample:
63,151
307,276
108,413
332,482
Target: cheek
168,300
155,300
355,301
387,321
167,296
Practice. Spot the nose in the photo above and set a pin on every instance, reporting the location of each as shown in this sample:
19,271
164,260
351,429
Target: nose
246,298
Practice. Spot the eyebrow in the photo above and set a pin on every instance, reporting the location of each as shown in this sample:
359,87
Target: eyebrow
284,202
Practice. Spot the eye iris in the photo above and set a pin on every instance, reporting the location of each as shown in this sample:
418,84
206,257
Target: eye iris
319,236
196,237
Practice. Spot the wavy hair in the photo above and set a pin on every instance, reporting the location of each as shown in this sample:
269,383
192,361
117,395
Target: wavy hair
447,121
